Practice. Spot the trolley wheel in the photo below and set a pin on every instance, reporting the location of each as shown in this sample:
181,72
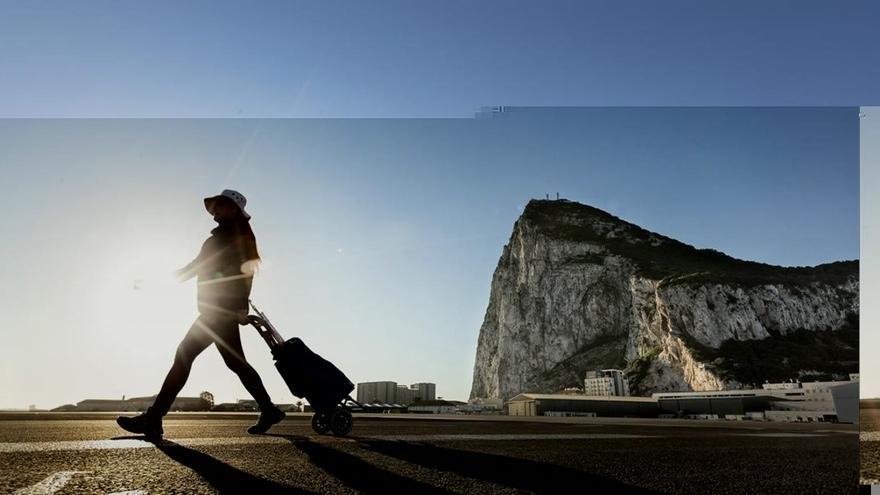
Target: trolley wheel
321,422
340,421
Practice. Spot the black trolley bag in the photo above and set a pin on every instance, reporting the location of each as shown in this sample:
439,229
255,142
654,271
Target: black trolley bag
309,376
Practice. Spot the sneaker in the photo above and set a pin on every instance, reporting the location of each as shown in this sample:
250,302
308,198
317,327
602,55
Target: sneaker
149,424
267,419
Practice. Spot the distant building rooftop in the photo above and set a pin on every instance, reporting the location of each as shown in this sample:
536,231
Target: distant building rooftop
616,398
430,403
151,397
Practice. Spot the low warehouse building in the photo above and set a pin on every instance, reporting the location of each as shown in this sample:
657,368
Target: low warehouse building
719,404
434,407
566,404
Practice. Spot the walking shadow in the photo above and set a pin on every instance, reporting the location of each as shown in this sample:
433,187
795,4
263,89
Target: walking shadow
223,477
356,472
524,474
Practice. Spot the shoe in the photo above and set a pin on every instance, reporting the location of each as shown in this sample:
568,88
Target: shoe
267,419
148,424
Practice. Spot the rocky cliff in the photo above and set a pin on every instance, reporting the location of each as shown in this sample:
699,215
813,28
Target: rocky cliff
577,289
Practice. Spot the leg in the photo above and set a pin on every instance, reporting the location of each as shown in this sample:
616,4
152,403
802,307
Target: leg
228,342
197,339
150,422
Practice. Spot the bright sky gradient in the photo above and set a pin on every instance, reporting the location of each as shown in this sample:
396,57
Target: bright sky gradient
869,338
404,58
379,236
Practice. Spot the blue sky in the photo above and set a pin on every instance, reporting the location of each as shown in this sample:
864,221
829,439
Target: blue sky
869,342
428,59
379,236
329,214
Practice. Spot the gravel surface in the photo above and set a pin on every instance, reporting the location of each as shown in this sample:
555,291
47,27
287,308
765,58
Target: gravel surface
204,453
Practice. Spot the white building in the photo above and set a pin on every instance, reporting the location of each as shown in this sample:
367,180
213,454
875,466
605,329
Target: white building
424,391
391,393
405,395
479,405
608,382
382,392
781,386
818,401
786,401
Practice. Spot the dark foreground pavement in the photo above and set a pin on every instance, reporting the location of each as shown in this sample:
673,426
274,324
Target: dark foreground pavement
211,453
870,443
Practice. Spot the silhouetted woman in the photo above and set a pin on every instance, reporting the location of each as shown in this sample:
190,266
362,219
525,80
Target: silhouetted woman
225,268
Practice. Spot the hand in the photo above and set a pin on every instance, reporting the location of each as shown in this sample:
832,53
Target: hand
243,318
183,274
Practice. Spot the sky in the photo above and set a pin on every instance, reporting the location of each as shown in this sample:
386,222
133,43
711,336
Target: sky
869,276
379,236
419,58
388,59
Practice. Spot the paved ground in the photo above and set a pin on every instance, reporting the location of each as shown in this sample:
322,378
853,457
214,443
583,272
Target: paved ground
69,453
869,445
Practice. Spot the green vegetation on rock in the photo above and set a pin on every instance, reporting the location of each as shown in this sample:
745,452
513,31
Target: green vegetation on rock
637,371
605,351
807,355
659,257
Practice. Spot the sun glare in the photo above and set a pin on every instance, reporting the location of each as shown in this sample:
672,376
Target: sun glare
139,291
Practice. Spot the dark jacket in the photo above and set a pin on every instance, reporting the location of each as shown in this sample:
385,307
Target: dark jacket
221,284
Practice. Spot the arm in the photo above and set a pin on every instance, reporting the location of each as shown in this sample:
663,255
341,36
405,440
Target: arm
247,255
192,268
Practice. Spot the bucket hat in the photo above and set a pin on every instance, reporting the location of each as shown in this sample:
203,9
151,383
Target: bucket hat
236,197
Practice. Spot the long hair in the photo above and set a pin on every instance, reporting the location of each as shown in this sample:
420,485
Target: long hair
249,240
244,240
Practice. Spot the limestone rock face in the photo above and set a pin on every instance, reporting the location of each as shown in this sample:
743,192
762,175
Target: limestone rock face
577,289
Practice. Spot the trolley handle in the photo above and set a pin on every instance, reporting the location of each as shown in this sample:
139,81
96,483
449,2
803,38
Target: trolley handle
264,332
265,328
